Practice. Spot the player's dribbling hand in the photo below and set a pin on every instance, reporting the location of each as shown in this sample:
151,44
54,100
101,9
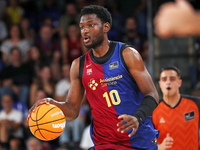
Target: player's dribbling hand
37,103
128,122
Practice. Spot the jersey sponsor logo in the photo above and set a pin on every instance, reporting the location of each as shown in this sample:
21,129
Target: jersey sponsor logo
111,79
92,84
89,71
162,120
189,116
59,125
113,65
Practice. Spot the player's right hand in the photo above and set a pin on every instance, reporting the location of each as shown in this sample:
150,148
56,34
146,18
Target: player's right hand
37,103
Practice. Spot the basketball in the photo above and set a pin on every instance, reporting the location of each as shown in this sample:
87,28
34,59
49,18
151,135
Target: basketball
47,122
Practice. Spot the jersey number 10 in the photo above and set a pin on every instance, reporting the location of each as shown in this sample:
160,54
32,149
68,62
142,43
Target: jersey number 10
112,93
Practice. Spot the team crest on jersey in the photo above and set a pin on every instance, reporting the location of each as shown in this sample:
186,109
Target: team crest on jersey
189,116
92,84
89,71
113,65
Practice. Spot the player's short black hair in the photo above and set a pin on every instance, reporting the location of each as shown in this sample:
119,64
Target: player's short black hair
101,12
171,68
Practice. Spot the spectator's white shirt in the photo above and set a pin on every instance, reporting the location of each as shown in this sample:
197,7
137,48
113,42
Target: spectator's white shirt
86,141
15,116
62,87
3,30
23,46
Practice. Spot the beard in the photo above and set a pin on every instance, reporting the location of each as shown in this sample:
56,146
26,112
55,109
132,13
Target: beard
96,42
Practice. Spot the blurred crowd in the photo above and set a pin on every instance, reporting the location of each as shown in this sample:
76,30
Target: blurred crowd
39,39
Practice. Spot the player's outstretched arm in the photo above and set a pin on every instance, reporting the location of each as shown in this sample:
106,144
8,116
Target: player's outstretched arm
74,99
177,19
143,79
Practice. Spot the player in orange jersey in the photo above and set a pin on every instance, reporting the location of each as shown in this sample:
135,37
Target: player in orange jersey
177,115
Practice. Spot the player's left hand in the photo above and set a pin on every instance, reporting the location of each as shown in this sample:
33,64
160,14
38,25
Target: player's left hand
128,122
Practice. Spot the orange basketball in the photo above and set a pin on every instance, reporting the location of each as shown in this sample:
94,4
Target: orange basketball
47,122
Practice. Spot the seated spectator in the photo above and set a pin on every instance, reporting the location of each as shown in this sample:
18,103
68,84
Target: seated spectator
40,94
72,46
14,12
33,144
47,21
15,40
132,36
36,59
63,85
6,87
136,8
56,66
10,125
46,43
70,15
27,31
44,82
49,9
18,76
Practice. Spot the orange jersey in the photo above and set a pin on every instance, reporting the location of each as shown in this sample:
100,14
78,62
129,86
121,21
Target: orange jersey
181,122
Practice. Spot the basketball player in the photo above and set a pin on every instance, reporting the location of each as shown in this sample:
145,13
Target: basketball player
119,89
177,19
177,116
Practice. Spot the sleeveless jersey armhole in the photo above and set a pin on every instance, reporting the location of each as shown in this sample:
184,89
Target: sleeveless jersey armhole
121,55
81,67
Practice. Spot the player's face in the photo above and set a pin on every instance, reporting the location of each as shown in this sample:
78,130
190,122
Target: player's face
169,83
91,30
